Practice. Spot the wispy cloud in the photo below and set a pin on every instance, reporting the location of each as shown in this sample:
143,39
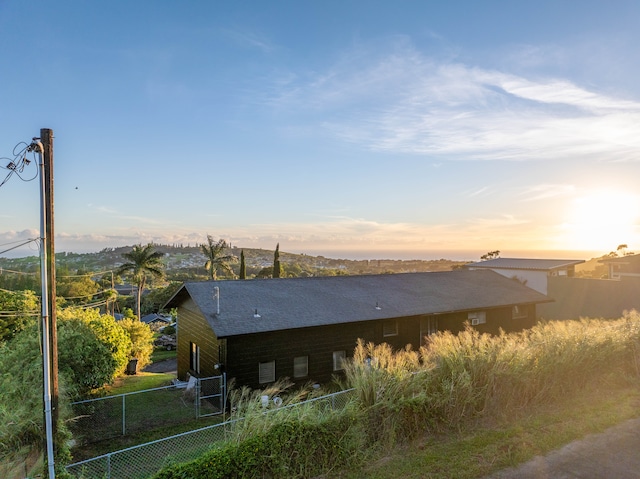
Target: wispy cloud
403,101
546,191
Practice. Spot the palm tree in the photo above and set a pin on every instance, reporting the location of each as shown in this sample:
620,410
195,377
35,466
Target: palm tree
216,259
143,262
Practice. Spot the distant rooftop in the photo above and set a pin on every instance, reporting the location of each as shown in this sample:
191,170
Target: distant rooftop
524,263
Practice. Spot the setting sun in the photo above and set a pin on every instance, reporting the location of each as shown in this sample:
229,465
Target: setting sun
602,220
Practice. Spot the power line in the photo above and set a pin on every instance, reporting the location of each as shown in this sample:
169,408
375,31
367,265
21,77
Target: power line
19,164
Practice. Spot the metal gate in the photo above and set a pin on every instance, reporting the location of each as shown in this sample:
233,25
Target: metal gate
211,396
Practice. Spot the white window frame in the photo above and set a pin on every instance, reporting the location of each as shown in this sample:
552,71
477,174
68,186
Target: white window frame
477,317
428,326
389,328
267,372
301,367
338,360
194,359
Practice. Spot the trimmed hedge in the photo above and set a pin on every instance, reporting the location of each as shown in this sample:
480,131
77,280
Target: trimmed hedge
291,449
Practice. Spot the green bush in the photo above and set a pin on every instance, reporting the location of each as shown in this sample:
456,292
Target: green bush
141,337
291,449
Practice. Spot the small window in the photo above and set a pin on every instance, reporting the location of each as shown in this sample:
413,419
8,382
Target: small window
477,317
301,367
267,372
194,358
519,312
428,326
338,360
390,328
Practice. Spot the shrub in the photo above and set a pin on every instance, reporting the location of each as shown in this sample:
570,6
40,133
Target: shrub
141,337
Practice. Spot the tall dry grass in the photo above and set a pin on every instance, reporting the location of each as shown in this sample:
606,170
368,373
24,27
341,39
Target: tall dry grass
456,378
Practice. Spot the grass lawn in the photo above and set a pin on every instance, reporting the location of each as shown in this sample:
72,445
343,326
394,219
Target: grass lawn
161,354
507,442
148,416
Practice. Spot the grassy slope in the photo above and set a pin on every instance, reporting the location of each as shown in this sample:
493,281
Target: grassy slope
513,440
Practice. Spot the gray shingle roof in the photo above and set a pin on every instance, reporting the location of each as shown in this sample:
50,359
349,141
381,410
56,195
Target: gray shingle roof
304,302
523,263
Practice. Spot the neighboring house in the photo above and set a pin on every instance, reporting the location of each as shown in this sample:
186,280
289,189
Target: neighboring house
156,320
530,272
624,266
303,328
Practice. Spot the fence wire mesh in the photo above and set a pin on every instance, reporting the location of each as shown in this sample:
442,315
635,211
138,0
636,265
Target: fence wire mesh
144,460
131,413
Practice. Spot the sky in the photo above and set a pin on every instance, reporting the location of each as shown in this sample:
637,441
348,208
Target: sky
352,129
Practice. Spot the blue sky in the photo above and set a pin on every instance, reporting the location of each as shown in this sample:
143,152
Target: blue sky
342,128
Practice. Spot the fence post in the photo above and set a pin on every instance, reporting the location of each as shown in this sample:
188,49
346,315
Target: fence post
108,466
124,414
197,404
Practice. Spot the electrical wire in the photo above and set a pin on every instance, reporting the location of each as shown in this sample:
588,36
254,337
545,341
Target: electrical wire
21,244
19,164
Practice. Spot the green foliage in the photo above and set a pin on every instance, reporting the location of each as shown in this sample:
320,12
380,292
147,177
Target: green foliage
243,266
83,358
292,448
18,309
108,331
158,297
141,337
169,330
456,379
76,289
143,262
277,269
21,397
216,257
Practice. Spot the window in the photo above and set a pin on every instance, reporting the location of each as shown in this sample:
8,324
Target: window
477,317
428,326
194,358
338,360
390,328
267,372
519,312
301,367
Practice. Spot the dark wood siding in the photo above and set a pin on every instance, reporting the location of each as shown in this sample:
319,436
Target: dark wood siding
318,343
192,327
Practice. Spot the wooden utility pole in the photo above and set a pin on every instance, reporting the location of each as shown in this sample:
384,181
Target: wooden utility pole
46,137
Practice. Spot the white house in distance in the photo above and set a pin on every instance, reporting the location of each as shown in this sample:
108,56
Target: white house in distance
531,272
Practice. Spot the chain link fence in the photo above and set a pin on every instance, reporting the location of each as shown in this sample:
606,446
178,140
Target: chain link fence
144,460
131,413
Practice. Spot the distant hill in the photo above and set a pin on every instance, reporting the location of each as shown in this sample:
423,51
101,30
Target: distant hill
187,262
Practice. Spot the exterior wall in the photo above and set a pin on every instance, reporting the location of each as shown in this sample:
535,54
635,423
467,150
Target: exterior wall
595,298
318,343
192,327
533,279
244,353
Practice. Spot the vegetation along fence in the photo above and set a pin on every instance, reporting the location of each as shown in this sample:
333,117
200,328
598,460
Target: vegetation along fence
130,413
144,460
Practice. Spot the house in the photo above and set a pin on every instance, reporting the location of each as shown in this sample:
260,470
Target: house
303,328
624,266
156,321
530,272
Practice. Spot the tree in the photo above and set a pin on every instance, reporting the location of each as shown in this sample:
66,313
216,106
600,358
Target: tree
143,262
141,340
18,309
243,266
490,255
216,259
276,262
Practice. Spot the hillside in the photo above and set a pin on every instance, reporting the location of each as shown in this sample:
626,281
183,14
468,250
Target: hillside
187,262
